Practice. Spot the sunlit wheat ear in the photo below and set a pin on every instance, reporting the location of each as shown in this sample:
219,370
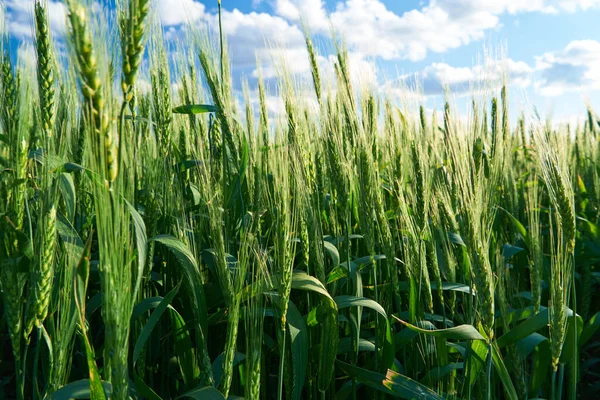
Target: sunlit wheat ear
554,172
10,95
91,88
43,277
505,119
314,66
423,119
45,68
132,24
536,256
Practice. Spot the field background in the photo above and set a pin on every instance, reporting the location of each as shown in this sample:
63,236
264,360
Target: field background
161,238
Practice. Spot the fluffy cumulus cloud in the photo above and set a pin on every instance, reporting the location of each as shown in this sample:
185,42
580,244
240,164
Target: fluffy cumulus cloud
372,32
310,12
250,36
19,17
574,5
177,12
263,35
438,77
371,29
574,68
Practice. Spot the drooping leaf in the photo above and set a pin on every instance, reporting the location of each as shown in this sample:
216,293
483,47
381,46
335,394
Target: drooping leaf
352,301
590,329
186,357
303,281
503,374
78,390
205,393
456,239
195,109
68,193
217,365
541,360
71,239
528,344
68,168
299,348
524,329
193,279
568,351
518,227
509,250
391,383
333,253
151,323
461,332
141,242
346,345
437,373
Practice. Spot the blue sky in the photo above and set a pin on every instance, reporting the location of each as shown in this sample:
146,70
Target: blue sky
549,50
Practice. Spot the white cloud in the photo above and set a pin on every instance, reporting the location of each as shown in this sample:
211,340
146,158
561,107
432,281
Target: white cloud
495,7
574,68
19,14
433,79
515,6
574,5
177,12
312,12
280,59
254,32
371,29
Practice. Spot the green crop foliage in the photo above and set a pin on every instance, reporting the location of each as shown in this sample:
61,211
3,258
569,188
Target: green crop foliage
157,241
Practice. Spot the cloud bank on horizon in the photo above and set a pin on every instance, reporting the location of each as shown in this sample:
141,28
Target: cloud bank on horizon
436,41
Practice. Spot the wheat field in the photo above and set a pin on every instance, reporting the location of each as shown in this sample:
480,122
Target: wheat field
161,238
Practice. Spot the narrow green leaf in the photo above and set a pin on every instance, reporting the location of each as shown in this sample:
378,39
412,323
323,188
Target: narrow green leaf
333,253
195,109
329,346
524,329
568,352
217,365
509,250
461,332
78,390
190,267
503,373
352,301
518,227
392,383
590,329
299,348
143,390
528,344
71,239
152,321
184,351
477,354
68,168
205,393
456,239
540,364
346,344
303,281
69,195
141,242
437,373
